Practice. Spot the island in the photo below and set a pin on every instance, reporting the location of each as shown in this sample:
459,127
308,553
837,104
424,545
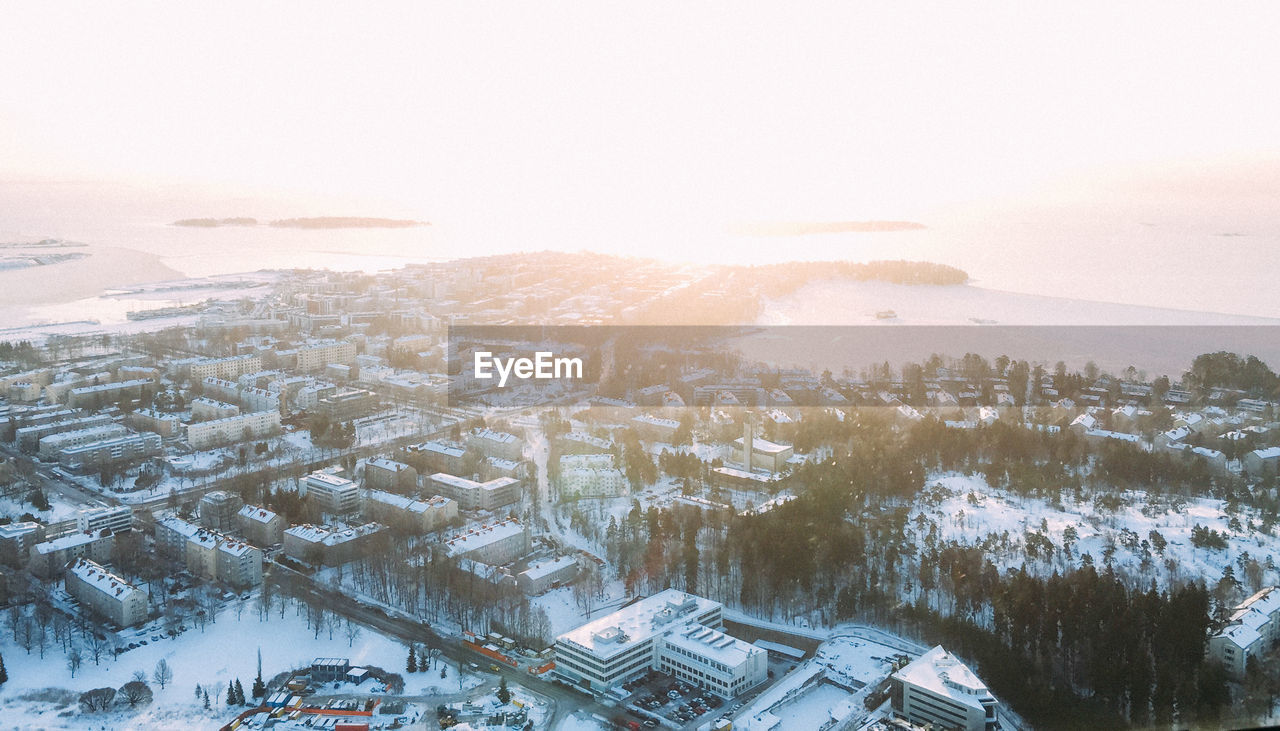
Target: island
309,223
805,228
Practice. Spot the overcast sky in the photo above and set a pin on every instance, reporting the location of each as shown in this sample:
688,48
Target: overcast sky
619,111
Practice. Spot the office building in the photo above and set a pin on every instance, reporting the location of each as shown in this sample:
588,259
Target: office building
936,688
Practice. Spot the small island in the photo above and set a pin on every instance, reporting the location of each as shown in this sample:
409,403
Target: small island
309,223
805,228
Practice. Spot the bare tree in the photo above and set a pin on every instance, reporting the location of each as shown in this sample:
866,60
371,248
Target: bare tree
135,692
163,674
98,699
96,644
74,660
353,633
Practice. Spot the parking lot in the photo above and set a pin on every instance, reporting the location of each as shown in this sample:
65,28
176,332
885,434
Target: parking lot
657,697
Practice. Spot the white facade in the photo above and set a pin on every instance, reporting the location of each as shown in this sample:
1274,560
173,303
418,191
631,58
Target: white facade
106,593
1251,630
936,688
333,494
257,424
495,544
671,631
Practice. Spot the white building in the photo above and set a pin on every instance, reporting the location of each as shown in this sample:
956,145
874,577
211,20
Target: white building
261,526
1262,462
590,476
472,495
105,593
542,575
415,515
492,443
671,631
316,357
334,494
116,519
936,688
494,544
227,368
230,429
1251,630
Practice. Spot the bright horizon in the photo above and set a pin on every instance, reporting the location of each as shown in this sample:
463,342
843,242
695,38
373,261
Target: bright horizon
580,119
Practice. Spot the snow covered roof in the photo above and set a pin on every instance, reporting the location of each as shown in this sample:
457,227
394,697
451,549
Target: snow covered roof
257,514
67,541
940,672
713,645
99,578
663,612
546,568
482,536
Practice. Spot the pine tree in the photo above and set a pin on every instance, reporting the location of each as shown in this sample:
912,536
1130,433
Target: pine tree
504,695
412,664
259,686
231,693
198,691
4,674
240,699
206,698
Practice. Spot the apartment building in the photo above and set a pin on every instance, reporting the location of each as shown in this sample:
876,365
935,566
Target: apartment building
329,546
226,368
166,425
94,396
50,558
472,495
116,518
406,513
51,446
16,540
172,534
1251,630
315,357
434,456
219,510
260,526
590,476
389,475
104,593
495,544
492,443
255,425
936,688
335,495
110,452
204,408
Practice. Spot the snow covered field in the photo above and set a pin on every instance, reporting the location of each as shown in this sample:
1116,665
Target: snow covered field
42,693
970,512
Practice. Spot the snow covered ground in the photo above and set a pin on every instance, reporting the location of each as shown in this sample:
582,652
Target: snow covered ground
42,693
972,513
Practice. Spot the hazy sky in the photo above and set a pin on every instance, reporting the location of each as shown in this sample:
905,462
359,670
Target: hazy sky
605,112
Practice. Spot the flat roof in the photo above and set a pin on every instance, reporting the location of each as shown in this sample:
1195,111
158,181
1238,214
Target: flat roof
483,535
940,672
713,645
642,621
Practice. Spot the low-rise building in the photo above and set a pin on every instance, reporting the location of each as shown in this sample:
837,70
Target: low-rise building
406,513
16,540
1262,462
674,632
495,544
333,494
492,443
166,425
389,475
590,476
329,546
52,445
227,368
172,534
936,688
1252,629
116,518
230,429
110,452
435,456
260,526
104,593
50,558
542,575
204,408
472,495
219,510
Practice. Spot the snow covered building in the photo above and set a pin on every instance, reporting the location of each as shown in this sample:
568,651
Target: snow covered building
260,526
1262,462
590,476
936,688
494,544
405,512
328,546
472,495
671,631
1252,628
334,494
105,593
